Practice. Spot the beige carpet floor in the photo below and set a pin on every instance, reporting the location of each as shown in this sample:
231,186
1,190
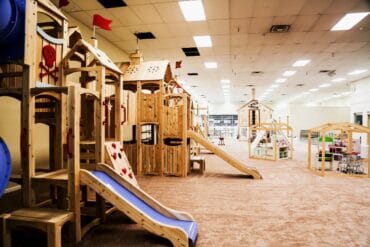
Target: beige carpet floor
289,207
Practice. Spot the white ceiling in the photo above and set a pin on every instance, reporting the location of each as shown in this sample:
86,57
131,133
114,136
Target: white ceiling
242,43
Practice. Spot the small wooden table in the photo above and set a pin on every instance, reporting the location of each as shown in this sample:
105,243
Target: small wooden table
200,160
50,221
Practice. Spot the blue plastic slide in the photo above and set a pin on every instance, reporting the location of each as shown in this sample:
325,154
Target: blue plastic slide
179,232
5,166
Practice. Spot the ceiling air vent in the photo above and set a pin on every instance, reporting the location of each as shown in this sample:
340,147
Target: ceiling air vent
192,74
329,72
191,51
145,35
300,85
279,28
250,85
256,73
112,3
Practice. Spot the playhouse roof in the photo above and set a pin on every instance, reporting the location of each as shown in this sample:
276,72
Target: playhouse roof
99,55
254,101
345,126
148,71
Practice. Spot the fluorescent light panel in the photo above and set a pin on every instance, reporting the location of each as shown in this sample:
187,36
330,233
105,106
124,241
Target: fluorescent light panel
225,81
224,86
210,65
314,90
275,85
338,79
325,85
357,72
301,63
192,10
289,73
280,80
348,21
203,41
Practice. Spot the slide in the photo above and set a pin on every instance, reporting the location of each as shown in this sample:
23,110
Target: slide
178,227
223,155
5,166
258,138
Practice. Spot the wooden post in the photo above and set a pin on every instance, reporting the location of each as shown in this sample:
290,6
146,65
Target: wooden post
184,130
74,112
309,150
138,129
27,137
368,155
99,126
118,110
323,154
350,144
161,126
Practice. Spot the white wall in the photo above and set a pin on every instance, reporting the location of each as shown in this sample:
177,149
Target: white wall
305,117
360,103
228,108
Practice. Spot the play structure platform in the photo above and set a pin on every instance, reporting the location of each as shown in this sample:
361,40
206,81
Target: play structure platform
223,155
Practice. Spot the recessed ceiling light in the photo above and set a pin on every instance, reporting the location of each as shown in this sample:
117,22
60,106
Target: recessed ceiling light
280,80
203,41
225,86
289,73
357,72
192,10
314,90
210,65
301,63
325,85
270,90
275,85
225,81
348,21
338,79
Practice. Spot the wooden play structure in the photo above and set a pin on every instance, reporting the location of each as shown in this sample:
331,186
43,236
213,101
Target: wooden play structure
343,149
250,114
155,138
74,88
271,141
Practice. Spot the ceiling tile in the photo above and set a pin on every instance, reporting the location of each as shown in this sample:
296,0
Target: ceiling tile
125,16
260,25
169,12
315,7
288,7
281,20
219,26
220,40
238,39
341,6
147,13
124,33
241,8
303,23
216,9
128,46
89,4
265,8
294,38
160,30
239,26
179,28
326,22
198,27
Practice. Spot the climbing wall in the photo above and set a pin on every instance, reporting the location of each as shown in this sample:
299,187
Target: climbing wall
116,157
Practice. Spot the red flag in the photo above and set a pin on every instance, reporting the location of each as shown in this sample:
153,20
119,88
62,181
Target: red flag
63,3
101,22
178,64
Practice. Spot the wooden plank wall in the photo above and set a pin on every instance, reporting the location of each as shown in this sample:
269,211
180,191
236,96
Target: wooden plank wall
173,160
131,152
172,126
151,159
149,107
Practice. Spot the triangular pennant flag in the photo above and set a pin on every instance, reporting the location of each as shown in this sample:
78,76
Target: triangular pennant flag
178,64
101,22
63,3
